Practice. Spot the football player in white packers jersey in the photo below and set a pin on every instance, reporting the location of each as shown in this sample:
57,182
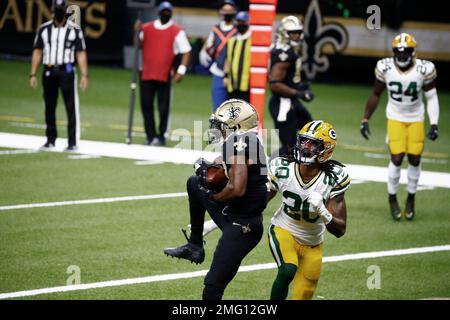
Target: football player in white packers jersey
406,79
312,188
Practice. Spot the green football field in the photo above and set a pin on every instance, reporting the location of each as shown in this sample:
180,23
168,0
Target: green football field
125,239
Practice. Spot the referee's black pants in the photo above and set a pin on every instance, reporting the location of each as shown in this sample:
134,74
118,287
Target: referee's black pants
149,89
296,118
53,79
239,237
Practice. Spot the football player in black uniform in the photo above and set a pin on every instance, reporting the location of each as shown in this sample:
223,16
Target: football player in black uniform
286,110
237,209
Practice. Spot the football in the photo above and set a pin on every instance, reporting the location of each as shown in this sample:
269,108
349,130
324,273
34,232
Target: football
215,178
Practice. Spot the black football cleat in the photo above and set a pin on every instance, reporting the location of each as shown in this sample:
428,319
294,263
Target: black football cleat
189,251
71,148
395,209
48,146
409,208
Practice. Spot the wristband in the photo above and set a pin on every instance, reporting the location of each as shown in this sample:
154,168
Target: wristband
85,75
326,216
181,69
32,75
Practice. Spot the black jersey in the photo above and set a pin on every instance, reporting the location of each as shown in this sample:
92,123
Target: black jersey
254,200
287,54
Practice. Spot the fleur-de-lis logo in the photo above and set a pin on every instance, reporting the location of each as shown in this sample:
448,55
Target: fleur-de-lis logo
233,112
283,56
318,34
240,145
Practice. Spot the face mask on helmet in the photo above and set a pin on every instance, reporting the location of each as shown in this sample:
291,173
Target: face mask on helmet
307,149
403,56
217,131
295,37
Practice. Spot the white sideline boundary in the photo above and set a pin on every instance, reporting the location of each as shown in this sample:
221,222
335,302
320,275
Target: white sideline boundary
185,156
92,201
186,275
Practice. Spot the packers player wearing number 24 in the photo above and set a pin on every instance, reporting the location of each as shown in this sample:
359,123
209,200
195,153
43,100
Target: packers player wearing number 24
405,78
312,186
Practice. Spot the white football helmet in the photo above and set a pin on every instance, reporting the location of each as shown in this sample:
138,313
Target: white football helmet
233,115
290,24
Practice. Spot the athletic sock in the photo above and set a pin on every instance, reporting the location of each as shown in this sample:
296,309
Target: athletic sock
209,226
413,178
280,287
197,214
393,178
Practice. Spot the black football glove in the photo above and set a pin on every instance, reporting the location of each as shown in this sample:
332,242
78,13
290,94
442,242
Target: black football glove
305,95
364,129
304,92
201,165
433,133
208,192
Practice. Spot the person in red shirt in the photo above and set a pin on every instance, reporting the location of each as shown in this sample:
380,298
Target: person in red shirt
161,40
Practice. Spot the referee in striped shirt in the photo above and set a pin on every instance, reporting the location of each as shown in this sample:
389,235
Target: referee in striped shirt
60,44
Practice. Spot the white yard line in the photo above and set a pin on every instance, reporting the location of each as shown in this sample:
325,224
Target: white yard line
186,156
8,152
92,201
186,275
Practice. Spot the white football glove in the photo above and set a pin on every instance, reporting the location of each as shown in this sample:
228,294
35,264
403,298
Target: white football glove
316,201
317,205
204,58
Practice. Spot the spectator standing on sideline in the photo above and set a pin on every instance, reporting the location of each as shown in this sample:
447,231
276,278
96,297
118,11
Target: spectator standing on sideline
212,55
59,45
237,62
161,40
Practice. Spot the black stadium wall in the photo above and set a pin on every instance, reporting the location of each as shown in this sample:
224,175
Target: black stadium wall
103,25
107,26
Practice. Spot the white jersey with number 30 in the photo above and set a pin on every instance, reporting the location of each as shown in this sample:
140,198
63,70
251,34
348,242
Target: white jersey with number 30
405,102
295,214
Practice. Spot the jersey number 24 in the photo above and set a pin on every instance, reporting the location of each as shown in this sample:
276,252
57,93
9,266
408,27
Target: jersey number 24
396,91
